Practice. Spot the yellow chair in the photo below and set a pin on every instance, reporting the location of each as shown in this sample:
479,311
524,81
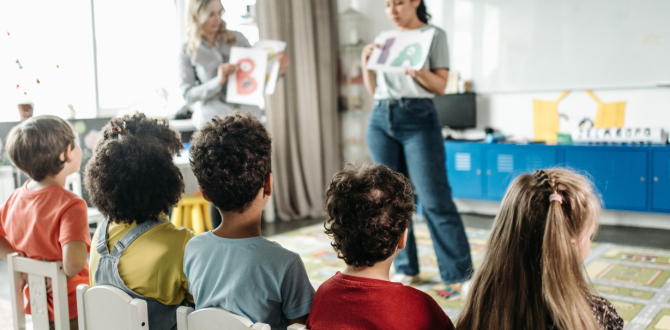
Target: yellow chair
192,212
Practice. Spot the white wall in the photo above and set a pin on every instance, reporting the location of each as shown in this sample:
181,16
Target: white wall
512,113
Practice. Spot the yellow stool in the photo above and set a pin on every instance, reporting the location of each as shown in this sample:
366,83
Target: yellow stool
192,212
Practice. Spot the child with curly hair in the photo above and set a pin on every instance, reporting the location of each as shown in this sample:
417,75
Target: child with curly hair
368,212
42,220
134,183
532,275
234,267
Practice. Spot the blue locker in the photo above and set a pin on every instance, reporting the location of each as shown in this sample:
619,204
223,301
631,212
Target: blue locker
619,173
506,162
661,180
465,169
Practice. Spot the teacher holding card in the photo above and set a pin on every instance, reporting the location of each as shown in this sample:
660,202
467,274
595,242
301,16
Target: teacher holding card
404,131
204,65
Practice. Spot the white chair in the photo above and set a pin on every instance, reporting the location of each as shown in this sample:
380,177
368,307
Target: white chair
105,307
214,318
37,272
297,326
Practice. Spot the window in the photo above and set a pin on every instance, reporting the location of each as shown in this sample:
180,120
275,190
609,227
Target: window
46,58
239,16
46,49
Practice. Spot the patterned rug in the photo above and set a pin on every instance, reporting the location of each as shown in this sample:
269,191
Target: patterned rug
634,279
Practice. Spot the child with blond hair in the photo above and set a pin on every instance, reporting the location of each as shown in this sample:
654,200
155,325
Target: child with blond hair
532,275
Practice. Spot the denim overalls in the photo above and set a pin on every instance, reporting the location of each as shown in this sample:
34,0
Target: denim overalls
160,316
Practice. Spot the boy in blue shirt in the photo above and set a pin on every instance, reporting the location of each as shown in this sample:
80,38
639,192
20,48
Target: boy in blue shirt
233,266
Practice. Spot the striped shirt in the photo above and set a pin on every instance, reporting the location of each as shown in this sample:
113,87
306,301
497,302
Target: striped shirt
199,83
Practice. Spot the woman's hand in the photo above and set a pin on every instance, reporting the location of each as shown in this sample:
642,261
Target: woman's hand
416,74
225,70
367,51
284,62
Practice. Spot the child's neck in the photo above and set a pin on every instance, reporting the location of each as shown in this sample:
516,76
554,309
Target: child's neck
380,271
239,225
58,179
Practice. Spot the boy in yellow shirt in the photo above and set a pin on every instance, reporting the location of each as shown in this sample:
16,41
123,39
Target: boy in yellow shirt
134,183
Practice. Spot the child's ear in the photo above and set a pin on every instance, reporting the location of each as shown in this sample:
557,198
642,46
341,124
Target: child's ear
267,186
403,239
204,195
67,154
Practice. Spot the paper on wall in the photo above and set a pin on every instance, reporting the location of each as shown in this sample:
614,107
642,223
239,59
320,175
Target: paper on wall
273,47
401,50
247,85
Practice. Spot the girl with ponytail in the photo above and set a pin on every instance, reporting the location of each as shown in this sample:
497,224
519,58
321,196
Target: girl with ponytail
532,275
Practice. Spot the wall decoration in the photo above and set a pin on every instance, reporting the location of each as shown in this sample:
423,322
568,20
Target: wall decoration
246,86
401,50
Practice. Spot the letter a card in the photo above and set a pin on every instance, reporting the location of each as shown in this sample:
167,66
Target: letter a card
247,85
401,50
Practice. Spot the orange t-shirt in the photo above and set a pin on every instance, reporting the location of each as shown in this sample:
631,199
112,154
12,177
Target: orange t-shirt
38,223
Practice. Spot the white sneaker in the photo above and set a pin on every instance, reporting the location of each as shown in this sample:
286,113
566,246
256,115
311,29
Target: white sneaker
405,279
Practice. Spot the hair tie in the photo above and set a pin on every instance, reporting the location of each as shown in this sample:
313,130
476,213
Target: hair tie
556,198
120,130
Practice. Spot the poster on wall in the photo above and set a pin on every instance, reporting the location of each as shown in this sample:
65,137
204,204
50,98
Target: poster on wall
273,47
401,50
247,85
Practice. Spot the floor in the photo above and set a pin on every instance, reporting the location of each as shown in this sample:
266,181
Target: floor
644,237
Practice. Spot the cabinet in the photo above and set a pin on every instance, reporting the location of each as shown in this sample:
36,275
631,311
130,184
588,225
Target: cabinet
465,166
660,180
629,178
620,175
506,162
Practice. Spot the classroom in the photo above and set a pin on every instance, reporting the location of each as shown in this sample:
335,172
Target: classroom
335,164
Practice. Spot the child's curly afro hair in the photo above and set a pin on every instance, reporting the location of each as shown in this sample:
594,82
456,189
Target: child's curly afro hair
368,209
131,176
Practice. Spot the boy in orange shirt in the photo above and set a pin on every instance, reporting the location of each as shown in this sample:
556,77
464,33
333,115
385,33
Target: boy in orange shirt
41,220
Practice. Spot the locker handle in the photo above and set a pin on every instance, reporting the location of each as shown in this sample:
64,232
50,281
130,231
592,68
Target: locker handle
479,172
656,179
642,179
488,172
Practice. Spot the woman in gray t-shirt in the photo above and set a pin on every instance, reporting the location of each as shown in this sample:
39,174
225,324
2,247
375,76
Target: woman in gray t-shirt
203,62
404,134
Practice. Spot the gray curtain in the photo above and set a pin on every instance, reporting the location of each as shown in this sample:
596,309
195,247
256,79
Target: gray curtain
302,114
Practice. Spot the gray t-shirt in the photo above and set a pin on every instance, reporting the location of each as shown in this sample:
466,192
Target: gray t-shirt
198,81
396,85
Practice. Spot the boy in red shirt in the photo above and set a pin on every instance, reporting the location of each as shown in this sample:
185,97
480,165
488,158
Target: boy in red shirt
42,220
368,212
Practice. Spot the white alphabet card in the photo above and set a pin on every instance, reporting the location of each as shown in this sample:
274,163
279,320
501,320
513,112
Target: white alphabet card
401,50
247,85
273,47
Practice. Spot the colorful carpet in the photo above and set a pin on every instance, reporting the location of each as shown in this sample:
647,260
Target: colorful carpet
634,279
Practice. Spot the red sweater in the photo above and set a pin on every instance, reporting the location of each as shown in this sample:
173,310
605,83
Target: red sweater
352,302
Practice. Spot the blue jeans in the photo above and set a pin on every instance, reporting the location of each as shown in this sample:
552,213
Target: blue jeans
405,136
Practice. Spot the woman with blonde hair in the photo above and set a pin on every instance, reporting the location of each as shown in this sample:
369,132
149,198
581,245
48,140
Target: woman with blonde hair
204,65
532,275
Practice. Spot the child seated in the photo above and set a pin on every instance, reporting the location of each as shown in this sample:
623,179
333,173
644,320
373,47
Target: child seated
233,266
133,181
531,276
41,220
368,212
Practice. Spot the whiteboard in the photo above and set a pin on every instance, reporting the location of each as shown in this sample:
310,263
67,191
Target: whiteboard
548,45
